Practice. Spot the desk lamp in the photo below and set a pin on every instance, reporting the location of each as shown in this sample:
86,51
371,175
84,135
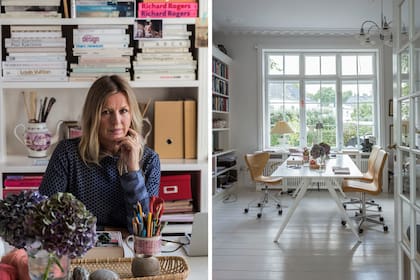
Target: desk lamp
282,128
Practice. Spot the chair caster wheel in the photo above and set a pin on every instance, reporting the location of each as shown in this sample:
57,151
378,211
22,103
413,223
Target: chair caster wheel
356,214
343,223
259,215
379,208
259,204
381,219
385,228
278,205
344,206
360,230
280,212
246,210
360,211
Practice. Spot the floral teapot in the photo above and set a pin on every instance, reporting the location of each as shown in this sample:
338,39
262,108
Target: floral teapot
36,137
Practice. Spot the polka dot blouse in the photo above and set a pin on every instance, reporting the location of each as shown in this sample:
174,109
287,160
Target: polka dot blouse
109,196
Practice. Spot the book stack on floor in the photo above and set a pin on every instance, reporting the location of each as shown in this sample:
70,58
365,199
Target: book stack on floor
101,50
166,58
99,8
31,8
35,53
16,184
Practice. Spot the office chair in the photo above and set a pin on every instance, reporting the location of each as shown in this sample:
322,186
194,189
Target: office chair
372,188
256,163
367,177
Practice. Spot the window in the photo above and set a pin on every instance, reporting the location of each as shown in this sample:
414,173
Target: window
325,97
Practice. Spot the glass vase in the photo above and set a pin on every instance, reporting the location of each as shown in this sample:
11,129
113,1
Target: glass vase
47,266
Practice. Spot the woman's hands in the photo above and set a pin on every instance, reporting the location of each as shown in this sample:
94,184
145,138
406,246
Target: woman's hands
130,148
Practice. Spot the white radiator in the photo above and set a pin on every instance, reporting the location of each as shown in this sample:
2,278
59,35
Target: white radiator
363,164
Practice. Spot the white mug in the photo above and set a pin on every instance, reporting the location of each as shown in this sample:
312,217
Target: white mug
148,246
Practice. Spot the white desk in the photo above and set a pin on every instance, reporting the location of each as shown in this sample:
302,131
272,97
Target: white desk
332,181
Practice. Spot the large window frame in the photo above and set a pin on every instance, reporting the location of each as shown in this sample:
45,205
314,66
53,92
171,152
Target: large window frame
306,134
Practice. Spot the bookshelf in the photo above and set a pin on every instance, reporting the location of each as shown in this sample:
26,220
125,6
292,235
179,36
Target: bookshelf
70,97
224,169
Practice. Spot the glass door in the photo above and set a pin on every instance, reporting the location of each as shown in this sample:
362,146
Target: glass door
406,100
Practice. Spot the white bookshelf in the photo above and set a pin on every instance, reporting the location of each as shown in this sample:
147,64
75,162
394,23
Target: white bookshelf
70,97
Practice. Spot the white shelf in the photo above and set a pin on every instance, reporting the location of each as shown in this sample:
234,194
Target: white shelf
218,154
225,170
65,85
221,129
77,21
19,164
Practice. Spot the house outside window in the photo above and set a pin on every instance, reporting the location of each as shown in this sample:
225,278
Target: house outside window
324,96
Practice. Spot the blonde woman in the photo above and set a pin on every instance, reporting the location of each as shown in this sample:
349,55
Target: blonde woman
109,168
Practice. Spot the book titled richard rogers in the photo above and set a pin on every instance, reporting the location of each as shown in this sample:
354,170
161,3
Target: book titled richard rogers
167,10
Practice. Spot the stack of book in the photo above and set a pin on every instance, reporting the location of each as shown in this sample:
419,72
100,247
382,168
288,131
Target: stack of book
35,53
178,206
165,58
99,8
16,184
167,9
101,50
31,8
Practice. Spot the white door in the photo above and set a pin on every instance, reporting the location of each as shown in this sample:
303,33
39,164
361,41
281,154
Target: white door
406,107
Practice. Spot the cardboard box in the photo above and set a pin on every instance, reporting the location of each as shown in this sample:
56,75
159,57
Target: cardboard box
175,187
168,127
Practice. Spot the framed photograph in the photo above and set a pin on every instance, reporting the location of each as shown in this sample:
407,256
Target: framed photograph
147,29
390,108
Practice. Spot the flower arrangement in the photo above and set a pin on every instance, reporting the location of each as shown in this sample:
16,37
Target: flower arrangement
317,151
61,225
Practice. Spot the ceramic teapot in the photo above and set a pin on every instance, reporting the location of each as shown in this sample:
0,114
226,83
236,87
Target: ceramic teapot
36,137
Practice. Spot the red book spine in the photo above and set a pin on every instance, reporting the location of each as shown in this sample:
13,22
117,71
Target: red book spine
22,183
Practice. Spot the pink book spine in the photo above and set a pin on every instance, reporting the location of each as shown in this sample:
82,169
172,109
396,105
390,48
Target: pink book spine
167,10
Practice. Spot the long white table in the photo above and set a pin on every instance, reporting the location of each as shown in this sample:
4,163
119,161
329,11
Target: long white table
332,182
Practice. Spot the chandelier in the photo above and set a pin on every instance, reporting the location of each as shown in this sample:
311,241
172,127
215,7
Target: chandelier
370,30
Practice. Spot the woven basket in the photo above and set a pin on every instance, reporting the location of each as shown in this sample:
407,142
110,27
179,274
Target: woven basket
171,267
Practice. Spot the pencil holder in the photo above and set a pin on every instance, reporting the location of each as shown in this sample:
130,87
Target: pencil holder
147,246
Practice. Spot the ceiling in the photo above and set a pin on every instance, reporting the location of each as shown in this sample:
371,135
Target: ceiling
297,16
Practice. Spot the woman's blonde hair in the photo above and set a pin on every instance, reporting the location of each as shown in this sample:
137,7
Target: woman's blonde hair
101,89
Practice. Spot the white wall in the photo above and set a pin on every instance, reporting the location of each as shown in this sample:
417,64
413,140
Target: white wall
245,89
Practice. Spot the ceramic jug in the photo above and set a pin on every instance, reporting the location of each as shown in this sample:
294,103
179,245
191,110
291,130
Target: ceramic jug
36,137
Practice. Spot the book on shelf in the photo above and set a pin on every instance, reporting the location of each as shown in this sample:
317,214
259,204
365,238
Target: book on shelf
35,78
35,72
162,43
35,28
30,2
167,10
169,1
178,65
32,64
93,38
34,42
26,57
101,45
115,8
31,14
52,50
165,50
166,76
103,60
103,51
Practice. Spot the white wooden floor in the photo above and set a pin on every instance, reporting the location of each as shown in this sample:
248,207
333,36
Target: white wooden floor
314,245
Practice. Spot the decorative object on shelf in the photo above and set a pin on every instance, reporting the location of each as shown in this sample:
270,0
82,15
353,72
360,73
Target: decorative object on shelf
219,123
305,154
370,30
282,127
36,137
51,230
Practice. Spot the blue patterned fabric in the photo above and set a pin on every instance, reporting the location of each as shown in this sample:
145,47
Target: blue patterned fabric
109,196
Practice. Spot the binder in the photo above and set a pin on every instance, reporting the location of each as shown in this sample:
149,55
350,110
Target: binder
190,129
169,133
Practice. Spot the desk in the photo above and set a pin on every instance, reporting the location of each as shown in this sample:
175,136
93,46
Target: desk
332,181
